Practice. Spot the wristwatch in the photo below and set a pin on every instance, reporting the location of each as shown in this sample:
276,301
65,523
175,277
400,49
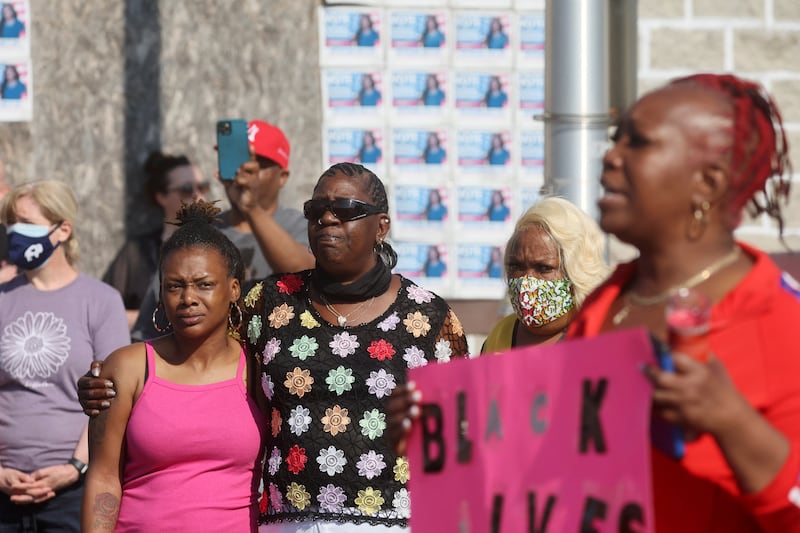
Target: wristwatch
79,465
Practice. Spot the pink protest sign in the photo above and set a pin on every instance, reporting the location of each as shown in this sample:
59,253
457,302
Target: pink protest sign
545,439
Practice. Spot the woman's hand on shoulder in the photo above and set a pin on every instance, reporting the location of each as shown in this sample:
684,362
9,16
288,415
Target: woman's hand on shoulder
97,387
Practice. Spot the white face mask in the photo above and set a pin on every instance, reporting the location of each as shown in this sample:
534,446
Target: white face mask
540,301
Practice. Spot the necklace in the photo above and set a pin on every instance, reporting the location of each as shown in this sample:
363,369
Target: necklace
697,279
340,318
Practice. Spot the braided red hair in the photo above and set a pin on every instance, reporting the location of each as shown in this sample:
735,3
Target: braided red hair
759,150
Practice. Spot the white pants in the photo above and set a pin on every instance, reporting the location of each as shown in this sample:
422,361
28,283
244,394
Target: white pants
323,526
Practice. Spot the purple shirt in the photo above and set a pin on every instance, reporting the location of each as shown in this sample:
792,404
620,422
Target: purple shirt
47,341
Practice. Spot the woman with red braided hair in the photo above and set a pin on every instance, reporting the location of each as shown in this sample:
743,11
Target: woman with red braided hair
686,160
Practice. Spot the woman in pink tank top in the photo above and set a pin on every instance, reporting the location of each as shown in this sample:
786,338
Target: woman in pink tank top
180,447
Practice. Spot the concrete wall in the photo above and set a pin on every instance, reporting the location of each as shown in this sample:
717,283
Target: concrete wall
758,39
116,79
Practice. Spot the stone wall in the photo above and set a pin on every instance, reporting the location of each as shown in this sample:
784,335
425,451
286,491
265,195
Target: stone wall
113,80
757,39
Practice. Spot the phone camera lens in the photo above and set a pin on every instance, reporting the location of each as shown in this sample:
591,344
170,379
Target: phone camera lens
224,128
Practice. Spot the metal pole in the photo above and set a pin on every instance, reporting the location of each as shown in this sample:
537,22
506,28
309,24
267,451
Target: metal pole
623,54
576,99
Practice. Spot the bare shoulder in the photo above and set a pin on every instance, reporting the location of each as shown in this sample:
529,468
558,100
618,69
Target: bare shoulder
125,364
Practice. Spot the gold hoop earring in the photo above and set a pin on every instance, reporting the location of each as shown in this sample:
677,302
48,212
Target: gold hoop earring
235,324
155,319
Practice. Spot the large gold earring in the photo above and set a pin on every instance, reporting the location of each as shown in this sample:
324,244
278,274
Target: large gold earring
699,220
155,319
237,322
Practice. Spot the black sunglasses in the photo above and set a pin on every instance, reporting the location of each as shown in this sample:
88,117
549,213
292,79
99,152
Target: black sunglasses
345,209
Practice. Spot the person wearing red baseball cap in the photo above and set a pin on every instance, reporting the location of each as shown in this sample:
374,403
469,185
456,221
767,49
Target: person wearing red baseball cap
256,215
270,237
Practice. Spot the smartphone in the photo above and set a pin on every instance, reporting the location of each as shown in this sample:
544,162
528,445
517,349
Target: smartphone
665,436
233,147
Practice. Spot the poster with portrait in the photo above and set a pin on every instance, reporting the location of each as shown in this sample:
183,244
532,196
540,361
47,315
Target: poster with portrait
355,145
419,209
15,91
483,96
483,209
418,37
483,39
420,96
425,263
15,30
355,94
351,36
480,269
486,152
531,152
531,48
418,151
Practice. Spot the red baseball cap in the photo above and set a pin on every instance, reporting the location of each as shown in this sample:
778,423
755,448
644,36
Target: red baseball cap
269,141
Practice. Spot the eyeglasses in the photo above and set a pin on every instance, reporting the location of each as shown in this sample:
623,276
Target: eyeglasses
188,189
345,209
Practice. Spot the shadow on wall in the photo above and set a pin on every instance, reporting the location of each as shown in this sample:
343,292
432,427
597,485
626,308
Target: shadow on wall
142,122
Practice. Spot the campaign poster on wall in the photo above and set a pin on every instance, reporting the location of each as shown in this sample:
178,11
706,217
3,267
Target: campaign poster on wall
480,269
483,38
531,150
485,152
418,37
15,29
420,96
531,49
350,36
484,209
530,87
426,263
528,195
420,209
420,151
353,93
483,96
355,145
15,91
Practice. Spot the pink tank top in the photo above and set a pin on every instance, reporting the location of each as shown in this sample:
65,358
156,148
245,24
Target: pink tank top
192,459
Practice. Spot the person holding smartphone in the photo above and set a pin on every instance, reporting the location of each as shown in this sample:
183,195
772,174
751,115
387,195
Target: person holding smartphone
270,237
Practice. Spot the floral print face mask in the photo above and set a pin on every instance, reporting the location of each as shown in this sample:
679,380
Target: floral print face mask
540,301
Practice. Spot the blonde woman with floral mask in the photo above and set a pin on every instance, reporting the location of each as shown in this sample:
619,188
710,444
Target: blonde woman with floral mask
552,261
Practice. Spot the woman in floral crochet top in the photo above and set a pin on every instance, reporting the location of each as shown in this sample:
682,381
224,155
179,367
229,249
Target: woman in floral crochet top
333,342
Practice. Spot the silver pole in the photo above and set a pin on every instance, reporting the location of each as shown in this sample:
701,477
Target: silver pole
576,110
623,54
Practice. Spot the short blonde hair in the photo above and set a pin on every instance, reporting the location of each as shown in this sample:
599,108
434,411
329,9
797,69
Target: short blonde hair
57,202
579,239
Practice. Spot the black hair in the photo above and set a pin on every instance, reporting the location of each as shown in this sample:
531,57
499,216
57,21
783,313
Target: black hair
196,229
13,10
377,195
156,168
4,83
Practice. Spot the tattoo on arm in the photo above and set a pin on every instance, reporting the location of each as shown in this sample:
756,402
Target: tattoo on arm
106,511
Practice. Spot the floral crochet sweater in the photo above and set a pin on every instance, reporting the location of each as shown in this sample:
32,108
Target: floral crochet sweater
326,454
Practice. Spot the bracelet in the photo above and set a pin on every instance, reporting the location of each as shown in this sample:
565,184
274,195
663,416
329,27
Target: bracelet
79,465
